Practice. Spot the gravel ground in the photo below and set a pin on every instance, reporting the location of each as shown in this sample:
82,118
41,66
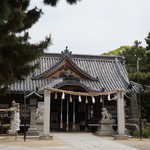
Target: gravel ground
10,140
133,142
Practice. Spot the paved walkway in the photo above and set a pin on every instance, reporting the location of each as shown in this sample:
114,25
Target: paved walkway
75,141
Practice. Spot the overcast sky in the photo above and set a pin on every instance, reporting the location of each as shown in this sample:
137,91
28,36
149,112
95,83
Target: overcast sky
92,26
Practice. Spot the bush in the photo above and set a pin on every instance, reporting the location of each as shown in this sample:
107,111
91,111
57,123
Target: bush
6,126
145,132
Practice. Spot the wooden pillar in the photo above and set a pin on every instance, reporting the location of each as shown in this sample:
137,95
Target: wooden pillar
67,124
61,114
91,109
103,102
74,117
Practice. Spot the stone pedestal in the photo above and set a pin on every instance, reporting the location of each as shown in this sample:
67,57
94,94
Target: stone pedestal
32,131
105,127
39,125
120,137
46,137
10,130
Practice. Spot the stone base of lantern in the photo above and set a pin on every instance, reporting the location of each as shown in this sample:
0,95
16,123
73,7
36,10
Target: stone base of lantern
46,137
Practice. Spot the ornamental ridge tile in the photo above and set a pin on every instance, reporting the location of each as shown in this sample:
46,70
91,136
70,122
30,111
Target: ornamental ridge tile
66,56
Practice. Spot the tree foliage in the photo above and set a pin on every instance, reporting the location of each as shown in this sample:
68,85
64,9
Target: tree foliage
54,2
133,54
16,52
137,63
146,60
144,78
138,73
117,51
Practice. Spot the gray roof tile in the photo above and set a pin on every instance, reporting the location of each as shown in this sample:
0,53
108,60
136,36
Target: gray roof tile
110,71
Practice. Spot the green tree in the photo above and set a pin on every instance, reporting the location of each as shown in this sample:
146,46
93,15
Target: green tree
147,39
16,52
138,54
132,54
146,60
117,51
54,2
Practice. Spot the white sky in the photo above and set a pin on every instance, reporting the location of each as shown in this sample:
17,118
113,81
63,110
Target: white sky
92,26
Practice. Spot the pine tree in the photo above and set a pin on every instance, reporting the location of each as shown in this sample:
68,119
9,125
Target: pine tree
54,2
132,54
16,52
147,55
147,39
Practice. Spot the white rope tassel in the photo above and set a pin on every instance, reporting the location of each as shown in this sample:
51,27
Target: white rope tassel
86,100
109,97
80,100
101,99
71,98
55,95
114,98
63,96
93,99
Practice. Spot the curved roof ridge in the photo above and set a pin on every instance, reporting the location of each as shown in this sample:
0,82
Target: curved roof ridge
85,56
65,57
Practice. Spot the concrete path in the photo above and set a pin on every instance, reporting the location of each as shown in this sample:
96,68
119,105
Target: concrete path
76,141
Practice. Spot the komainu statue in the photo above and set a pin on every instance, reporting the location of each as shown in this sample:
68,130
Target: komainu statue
40,114
105,114
106,121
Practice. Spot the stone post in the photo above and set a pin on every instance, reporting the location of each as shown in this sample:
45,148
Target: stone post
46,132
120,117
134,105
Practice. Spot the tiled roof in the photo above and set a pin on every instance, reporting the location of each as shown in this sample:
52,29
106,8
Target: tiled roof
66,57
110,71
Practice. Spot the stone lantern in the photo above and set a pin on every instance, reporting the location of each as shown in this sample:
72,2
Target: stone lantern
33,99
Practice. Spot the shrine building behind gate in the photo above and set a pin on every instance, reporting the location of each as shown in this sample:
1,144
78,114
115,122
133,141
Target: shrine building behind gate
77,73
